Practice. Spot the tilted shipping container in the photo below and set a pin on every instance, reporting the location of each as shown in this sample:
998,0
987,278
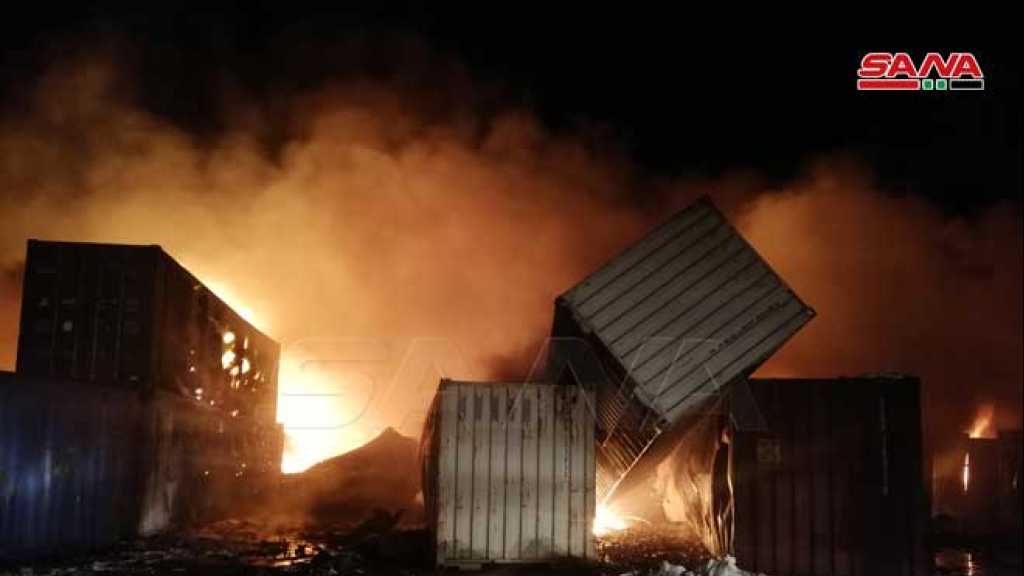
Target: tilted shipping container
509,473
662,326
132,316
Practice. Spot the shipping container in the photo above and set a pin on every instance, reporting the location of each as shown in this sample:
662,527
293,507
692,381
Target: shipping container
796,477
687,310
69,462
84,465
983,496
509,473
828,477
133,317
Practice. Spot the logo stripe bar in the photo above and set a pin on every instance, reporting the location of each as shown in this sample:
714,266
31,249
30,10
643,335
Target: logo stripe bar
888,84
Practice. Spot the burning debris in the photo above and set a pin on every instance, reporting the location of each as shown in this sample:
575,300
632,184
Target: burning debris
983,425
382,475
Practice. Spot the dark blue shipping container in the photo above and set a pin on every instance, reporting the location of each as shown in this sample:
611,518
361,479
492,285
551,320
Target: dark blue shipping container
84,465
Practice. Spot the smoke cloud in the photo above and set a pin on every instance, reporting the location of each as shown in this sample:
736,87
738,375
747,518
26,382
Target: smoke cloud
376,225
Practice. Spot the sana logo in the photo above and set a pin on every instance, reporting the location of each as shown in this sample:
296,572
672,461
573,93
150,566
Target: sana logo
898,71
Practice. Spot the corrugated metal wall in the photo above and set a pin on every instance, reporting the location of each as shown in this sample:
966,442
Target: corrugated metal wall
690,305
990,504
834,485
142,401
132,316
84,465
86,312
68,467
509,473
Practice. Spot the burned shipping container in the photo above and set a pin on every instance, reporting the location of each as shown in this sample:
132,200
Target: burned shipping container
799,477
509,473
985,496
131,316
84,465
687,310
141,401
828,477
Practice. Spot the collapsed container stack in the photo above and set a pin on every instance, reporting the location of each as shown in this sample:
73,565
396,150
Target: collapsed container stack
175,386
652,337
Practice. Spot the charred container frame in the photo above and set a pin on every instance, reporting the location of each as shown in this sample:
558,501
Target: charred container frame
194,383
131,316
508,473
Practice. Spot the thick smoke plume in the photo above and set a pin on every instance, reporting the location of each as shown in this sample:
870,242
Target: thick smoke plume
376,226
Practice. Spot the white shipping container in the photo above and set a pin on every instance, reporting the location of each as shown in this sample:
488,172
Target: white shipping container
509,473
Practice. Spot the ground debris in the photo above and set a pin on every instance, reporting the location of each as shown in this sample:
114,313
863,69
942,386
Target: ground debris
645,547
715,567
380,544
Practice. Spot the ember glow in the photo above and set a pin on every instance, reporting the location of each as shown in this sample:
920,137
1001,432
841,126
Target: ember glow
322,412
983,427
317,408
607,520
232,299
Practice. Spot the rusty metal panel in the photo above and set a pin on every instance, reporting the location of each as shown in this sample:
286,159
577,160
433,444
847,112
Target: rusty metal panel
132,316
685,311
508,471
831,480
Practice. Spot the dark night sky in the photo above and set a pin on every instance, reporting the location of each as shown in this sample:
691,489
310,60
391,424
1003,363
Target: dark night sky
677,96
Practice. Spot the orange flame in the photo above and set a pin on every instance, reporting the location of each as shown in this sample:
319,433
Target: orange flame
318,420
982,426
607,520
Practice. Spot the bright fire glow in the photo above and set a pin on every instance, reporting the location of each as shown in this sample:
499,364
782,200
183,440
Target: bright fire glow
967,471
607,520
231,299
322,411
982,426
